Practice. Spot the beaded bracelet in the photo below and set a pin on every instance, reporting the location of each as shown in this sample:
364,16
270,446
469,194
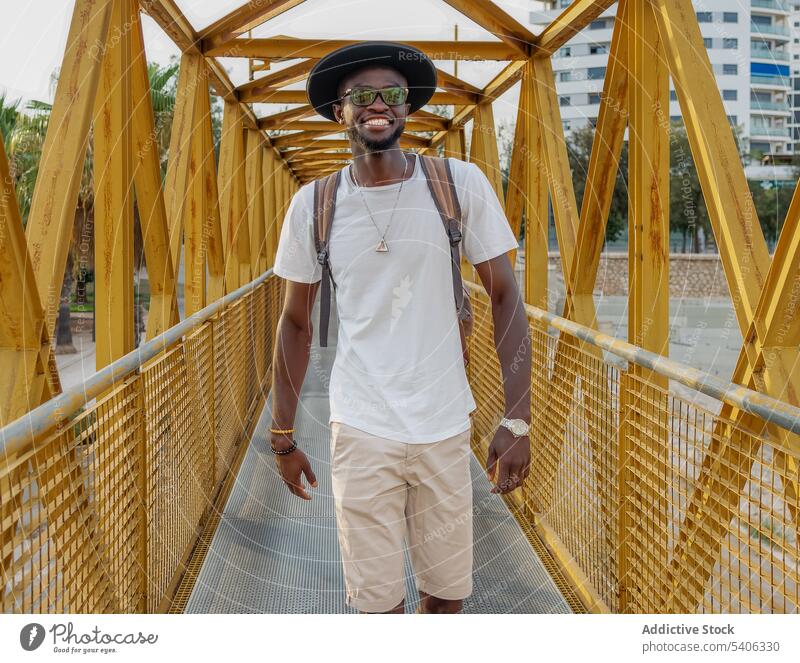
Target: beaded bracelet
285,430
281,452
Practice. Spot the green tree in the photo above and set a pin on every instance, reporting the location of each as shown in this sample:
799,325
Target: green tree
687,209
579,150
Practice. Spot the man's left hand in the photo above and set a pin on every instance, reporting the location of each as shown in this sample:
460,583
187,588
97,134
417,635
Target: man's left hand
513,455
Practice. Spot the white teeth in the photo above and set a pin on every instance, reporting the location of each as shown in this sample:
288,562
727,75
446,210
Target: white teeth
377,122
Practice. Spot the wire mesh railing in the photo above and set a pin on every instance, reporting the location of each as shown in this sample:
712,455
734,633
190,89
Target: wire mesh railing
657,503
105,488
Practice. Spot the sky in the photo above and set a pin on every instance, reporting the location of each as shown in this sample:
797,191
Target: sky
33,34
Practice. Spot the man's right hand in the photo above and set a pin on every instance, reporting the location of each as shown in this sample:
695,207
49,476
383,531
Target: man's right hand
292,465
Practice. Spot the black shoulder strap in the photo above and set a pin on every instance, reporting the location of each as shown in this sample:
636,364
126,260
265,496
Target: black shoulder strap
443,190
325,190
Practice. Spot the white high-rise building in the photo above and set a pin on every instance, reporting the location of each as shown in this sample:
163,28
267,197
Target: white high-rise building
749,42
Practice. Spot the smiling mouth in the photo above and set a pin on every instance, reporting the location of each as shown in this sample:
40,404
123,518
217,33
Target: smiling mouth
376,124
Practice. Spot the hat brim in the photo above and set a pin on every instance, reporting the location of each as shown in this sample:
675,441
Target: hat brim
418,69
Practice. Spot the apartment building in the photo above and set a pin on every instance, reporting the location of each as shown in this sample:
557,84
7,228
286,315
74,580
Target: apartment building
753,47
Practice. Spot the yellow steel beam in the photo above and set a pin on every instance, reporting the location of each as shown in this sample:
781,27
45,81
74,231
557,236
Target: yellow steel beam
269,166
277,120
483,147
249,15
648,299
233,204
255,199
284,48
454,144
184,125
215,244
195,213
493,19
24,344
52,214
113,190
569,23
535,197
648,209
163,311
562,193
455,85
277,79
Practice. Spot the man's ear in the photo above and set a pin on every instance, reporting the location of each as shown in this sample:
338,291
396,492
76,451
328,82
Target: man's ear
337,112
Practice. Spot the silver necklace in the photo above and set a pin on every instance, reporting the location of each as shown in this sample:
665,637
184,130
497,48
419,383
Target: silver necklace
382,247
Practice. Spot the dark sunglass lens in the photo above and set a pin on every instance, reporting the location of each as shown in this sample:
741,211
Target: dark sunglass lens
362,97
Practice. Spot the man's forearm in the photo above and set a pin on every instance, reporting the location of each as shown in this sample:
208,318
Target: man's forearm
289,364
512,340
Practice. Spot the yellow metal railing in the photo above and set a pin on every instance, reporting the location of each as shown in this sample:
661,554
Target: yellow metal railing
102,499
649,501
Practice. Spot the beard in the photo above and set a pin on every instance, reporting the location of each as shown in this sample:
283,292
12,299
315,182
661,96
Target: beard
370,145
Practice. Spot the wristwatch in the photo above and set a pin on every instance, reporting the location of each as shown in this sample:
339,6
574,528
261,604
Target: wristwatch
518,427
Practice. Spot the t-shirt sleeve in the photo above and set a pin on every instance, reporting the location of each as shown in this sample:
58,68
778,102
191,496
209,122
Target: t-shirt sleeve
296,256
486,232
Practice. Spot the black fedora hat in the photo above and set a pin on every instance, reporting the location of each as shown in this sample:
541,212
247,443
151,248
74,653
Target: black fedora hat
417,67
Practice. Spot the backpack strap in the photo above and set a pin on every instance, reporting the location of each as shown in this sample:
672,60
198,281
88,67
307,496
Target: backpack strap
443,190
325,190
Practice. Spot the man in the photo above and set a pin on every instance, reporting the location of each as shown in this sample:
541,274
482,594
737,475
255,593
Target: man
400,400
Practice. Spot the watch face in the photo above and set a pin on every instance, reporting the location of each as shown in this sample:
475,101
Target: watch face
518,427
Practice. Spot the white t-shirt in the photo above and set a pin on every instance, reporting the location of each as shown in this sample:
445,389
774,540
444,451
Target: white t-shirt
398,371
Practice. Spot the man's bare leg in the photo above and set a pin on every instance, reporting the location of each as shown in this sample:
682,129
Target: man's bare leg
430,604
400,608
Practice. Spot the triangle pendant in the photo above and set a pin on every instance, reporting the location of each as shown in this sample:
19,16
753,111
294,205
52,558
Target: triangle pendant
382,246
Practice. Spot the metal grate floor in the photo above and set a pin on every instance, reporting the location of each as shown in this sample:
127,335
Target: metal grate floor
275,553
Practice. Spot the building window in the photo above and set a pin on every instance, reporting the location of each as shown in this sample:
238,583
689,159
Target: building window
730,43
708,42
564,101
730,17
594,98
730,95
595,73
598,25
673,96
732,119
565,52
566,125
730,69
704,17
565,76
598,49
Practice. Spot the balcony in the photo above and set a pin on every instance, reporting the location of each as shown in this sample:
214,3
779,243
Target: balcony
776,5
766,53
770,29
769,106
757,80
775,133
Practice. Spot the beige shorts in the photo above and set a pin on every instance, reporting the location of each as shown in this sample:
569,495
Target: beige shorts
385,491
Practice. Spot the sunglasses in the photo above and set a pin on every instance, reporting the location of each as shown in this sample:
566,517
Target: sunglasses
364,96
